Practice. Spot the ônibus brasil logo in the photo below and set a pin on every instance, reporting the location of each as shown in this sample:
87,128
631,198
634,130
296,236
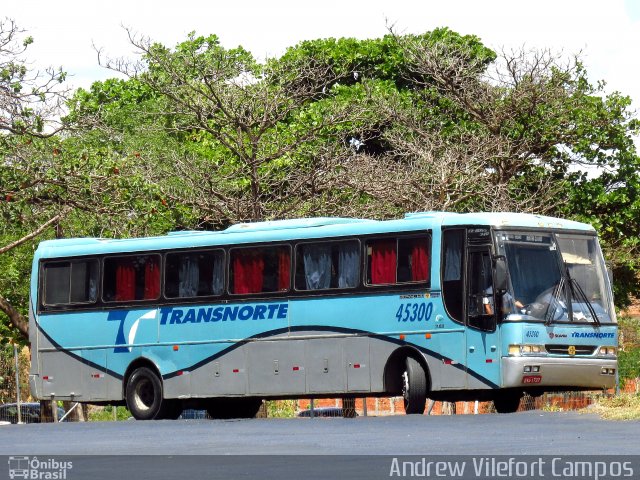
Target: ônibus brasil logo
34,468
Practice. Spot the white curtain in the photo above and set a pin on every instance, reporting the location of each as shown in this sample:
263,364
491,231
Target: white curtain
317,266
188,276
217,284
348,265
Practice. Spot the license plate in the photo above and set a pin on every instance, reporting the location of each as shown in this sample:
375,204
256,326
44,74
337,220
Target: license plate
532,379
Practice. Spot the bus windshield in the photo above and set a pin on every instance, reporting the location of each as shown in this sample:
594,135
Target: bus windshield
555,278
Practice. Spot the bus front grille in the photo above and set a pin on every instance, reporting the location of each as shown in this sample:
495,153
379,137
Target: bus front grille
564,349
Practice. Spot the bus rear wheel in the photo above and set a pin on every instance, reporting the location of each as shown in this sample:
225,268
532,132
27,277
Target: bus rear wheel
144,396
414,387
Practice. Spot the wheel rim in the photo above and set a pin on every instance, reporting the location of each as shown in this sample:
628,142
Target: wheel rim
405,386
144,395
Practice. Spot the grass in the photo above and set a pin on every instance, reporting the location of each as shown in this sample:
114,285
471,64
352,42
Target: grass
549,407
281,408
625,406
105,414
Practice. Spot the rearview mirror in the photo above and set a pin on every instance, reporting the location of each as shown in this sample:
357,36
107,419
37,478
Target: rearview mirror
500,278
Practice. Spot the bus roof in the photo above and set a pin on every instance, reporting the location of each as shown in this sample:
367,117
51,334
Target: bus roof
303,228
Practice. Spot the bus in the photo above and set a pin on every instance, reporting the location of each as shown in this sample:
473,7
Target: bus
435,305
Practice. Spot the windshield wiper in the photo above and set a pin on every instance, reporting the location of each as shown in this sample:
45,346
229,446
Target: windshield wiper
555,300
577,290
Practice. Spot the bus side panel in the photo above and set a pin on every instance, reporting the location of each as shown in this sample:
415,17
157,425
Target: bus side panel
276,367
223,375
62,376
79,374
450,344
94,374
324,365
358,368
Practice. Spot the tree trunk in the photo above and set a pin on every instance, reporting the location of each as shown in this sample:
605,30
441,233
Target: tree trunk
15,317
46,414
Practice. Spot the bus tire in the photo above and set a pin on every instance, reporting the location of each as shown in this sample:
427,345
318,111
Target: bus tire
414,387
507,402
144,394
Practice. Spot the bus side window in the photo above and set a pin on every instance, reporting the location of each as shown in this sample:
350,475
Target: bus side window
481,305
194,274
72,282
413,260
452,272
398,260
322,266
131,278
259,269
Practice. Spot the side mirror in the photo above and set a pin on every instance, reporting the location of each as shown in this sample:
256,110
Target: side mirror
501,276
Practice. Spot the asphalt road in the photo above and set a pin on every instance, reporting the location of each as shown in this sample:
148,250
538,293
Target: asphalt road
527,433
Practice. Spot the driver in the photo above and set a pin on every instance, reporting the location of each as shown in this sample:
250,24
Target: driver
509,304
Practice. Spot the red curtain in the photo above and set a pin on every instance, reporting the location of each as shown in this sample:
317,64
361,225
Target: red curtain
125,281
419,261
284,270
151,279
383,262
248,270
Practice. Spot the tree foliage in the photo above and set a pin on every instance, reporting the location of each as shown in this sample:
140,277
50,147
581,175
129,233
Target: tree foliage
245,128
29,100
55,182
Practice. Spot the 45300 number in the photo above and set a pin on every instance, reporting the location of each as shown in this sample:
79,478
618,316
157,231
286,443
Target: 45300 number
414,312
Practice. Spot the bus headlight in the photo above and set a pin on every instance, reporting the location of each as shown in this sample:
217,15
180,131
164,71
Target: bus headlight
608,351
518,350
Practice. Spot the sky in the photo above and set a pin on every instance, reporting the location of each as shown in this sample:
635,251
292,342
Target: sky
606,32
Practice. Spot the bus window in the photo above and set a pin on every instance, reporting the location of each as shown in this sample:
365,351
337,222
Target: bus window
398,260
131,278
70,282
259,269
322,266
452,272
480,303
194,274
413,260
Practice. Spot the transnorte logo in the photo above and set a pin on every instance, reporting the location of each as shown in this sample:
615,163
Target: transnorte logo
223,314
592,335
180,316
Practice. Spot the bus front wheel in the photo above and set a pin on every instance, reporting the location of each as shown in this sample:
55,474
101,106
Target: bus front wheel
144,394
414,387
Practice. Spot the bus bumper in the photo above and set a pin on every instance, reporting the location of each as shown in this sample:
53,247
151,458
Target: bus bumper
596,373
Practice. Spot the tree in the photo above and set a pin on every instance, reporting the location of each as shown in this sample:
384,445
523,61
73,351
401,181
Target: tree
29,102
421,149
247,128
54,181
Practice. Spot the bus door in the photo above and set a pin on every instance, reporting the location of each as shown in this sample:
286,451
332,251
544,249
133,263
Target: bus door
482,337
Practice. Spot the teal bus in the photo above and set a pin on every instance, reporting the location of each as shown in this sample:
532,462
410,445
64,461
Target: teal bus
477,306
